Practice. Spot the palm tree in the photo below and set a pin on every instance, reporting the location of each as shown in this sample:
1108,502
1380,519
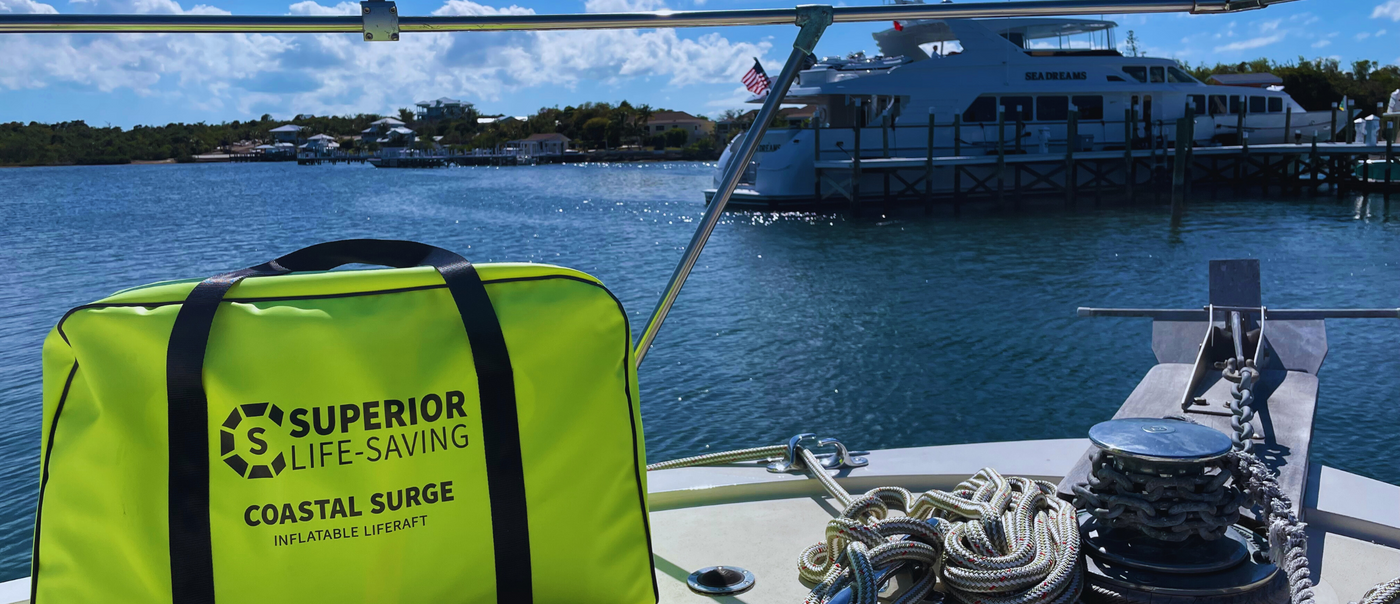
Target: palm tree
644,112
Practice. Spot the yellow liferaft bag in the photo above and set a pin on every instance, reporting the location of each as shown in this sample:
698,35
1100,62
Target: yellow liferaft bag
436,432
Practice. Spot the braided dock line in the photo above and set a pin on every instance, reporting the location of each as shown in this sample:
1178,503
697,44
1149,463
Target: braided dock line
992,540
1288,543
1385,593
711,459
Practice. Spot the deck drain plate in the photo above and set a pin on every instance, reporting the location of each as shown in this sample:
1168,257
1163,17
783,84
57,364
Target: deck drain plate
720,581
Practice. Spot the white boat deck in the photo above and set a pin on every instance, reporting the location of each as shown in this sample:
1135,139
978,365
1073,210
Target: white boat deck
743,515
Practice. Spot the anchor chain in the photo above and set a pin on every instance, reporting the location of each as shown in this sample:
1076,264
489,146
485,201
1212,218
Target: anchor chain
1243,375
1165,508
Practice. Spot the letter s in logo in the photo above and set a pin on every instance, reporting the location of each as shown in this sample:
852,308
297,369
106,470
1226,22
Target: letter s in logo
260,445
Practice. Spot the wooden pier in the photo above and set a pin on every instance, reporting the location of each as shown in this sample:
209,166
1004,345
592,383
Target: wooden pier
1160,165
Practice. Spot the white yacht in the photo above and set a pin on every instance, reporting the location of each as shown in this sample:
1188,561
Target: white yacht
1031,72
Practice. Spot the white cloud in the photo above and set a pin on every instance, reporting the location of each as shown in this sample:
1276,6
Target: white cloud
311,8
26,7
339,73
1258,42
1322,44
623,6
1390,9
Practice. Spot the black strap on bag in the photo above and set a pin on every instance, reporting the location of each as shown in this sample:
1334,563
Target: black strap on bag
191,547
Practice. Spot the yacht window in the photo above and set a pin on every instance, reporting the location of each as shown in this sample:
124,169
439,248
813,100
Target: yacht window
1235,103
1137,73
1116,79
1159,75
1258,104
1197,102
1010,103
1052,108
1177,76
1275,104
1218,105
984,109
1090,107
1017,38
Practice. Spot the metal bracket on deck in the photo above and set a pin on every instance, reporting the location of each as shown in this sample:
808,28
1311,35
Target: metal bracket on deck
838,458
381,20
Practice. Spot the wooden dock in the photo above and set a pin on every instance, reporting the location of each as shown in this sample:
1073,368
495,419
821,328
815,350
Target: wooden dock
1005,172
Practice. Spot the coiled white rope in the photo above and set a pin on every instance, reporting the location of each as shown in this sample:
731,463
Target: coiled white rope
992,540
1385,593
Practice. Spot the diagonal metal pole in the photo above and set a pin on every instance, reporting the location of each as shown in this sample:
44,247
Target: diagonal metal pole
813,20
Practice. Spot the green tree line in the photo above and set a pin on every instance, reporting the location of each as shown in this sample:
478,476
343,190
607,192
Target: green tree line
589,125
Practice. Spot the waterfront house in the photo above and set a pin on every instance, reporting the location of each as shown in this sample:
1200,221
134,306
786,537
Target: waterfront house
320,143
538,144
441,109
501,119
398,137
388,132
289,133
695,127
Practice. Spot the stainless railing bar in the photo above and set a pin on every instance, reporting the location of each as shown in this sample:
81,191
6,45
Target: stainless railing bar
1302,314
814,22
76,23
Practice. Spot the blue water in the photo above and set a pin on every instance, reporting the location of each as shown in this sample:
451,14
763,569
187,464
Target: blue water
885,331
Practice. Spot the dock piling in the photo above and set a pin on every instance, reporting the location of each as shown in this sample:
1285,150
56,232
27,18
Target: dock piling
1001,154
1179,166
928,166
1020,128
1129,166
957,171
1071,172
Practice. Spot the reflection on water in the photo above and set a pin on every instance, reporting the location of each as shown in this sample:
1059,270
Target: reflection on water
887,331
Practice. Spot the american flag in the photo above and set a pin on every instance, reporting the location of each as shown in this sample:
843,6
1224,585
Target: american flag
755,80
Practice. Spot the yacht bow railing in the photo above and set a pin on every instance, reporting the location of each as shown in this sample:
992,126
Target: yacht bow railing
379,21
75,23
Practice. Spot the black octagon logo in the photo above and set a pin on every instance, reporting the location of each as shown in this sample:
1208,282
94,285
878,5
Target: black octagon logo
256,448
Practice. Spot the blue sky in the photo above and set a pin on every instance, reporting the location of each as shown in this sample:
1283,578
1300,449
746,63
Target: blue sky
133,79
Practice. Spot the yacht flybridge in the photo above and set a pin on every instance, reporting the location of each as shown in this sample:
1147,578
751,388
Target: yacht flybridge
1205,505
991,75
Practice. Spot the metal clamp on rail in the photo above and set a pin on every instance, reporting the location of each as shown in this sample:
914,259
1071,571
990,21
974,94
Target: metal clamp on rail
839,457
381,20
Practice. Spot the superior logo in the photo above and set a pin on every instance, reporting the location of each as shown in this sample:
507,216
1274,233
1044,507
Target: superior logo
255,443
1056,75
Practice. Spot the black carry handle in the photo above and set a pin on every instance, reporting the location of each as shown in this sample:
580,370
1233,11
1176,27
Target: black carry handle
383,252
191,544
